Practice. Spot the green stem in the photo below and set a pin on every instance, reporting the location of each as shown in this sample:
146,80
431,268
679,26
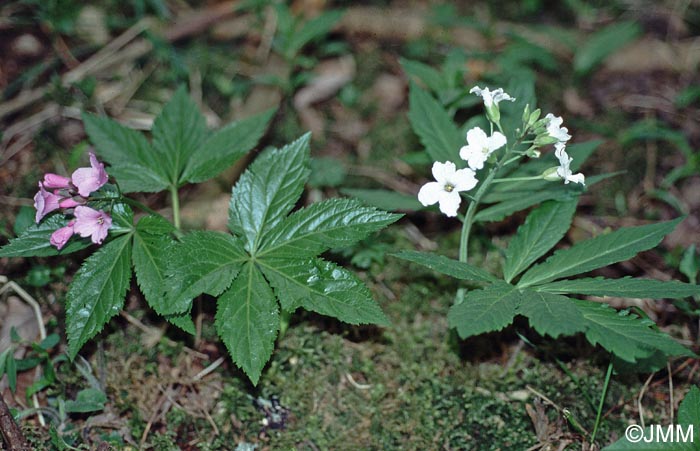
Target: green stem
517,179
602,400
176,206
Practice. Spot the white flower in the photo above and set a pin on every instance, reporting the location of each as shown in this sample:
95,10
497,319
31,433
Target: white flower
491,97
445,190
479,147
563,170
554,128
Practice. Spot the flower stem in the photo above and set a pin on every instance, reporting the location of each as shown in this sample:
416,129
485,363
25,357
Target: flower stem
176,206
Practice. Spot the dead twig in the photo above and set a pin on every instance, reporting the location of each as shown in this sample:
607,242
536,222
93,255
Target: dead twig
11,433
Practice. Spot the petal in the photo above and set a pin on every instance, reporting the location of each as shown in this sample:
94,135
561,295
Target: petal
496,141
476,160
449,203
465,180
442,171
86,180
430,193
465,152
477,137
577,178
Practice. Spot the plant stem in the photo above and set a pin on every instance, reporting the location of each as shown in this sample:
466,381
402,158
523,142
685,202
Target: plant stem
176,206
602,400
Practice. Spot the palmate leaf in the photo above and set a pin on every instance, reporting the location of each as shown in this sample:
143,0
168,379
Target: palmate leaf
247,320
598,252
626,287
543,228
134,163
438,134
322,287
268,190
448,266
270,255
180,152
224,147
322,226
202,262
97,292
486,310
34,241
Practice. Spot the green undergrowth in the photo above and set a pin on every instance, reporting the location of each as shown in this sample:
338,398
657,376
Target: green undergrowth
410,386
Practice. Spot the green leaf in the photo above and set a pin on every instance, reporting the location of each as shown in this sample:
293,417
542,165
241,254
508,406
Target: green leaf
87,400
226,146
268,190
625,335
34,241
444,265
310,30
521,201
182,321
324,288
97,292
550,314
178,132
134,163
543,228
150,258
486,310
690,264
322,226
202,262
438,134
689,410
247,320
430,77
603,43
626,287
385,199
598,252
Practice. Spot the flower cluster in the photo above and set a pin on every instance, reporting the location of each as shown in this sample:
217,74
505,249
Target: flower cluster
58,192
449,181
560,135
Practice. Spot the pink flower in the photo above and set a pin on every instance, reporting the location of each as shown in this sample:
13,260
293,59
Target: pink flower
45,202
54,181
90,179
92,223
61,236
70,202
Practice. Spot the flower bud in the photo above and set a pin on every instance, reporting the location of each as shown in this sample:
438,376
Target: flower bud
534,116
526,114
550,174
543,140
532,152
55,181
